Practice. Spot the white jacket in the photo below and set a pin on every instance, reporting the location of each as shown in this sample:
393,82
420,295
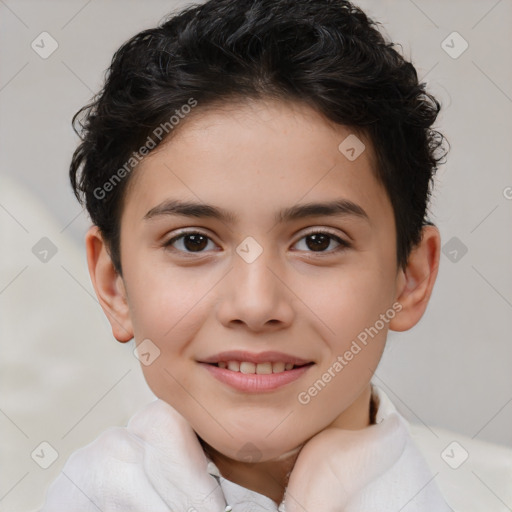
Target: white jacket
141,468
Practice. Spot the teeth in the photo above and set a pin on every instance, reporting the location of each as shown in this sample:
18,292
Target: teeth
264,368
278,367
260,368
247,367
234,366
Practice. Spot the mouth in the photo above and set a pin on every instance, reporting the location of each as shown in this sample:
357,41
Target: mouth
265,368
254,373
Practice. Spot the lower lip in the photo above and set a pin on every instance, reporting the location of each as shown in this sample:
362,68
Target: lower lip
253,382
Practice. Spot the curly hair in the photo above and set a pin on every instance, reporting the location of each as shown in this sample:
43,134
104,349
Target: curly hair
327,54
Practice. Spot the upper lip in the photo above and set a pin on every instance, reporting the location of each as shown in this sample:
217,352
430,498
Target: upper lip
261,357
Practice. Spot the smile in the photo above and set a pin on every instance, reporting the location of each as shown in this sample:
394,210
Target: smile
251,372
256,368
245,377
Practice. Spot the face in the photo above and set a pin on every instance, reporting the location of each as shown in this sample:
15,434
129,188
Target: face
257,272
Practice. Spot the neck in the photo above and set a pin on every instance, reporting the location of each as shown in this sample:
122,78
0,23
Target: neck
270,478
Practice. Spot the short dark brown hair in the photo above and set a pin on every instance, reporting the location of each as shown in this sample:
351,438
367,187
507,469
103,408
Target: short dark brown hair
326,53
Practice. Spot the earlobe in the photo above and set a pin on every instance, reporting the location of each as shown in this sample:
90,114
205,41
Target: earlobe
415,284
108,285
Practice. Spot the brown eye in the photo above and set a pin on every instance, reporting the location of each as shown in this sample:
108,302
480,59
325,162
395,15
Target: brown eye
320,241
189,242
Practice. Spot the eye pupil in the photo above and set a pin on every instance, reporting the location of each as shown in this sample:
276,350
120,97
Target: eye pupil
320,241
198,242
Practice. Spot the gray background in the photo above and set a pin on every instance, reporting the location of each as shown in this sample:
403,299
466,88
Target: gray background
64,377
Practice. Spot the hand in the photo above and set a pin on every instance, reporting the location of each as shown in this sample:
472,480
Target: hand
175,463
335,465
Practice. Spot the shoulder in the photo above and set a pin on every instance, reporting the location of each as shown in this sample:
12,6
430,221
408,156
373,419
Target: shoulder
124,444
110,468
113,444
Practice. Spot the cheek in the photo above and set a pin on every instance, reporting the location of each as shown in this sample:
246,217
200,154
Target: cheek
351,301
167,307
163,300
354,341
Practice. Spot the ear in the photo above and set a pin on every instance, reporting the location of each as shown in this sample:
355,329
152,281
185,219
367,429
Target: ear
415,284
108,285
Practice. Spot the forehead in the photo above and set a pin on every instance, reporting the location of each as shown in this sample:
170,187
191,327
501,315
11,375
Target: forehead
253,159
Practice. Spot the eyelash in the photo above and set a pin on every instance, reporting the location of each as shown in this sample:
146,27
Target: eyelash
343,245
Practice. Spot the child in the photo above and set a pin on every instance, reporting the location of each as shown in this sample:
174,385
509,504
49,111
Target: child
258,173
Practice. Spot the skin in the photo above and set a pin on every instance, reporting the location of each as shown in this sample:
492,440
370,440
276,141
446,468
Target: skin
254,159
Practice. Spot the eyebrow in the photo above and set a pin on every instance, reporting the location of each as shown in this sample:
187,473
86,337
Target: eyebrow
339,208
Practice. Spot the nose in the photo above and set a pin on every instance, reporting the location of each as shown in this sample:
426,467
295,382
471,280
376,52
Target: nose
256,294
